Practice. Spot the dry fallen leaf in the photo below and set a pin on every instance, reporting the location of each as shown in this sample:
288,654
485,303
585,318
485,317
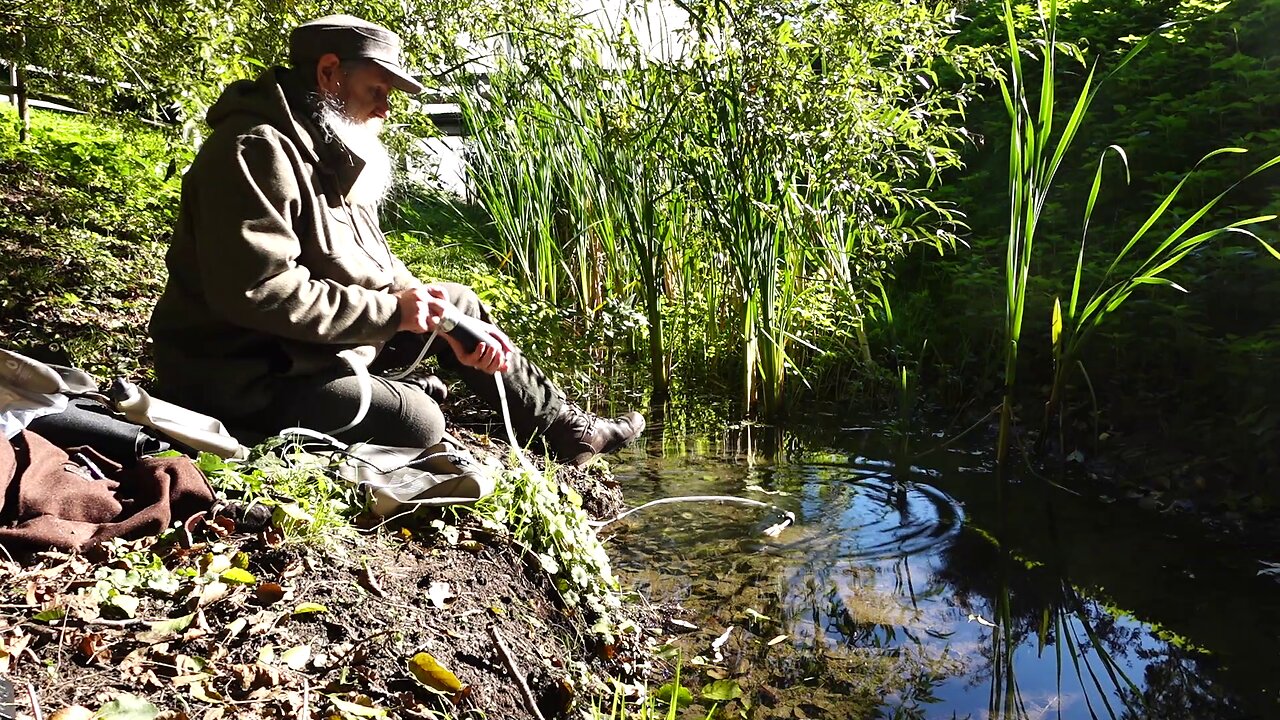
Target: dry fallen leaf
91,648
10,651
165,629
268,593
369,581
296,657
440,594
362,707
204,692
213,592
235,627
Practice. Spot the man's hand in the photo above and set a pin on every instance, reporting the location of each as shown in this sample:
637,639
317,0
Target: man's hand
421,309
491,356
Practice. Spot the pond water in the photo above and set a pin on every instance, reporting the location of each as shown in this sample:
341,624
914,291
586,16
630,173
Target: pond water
910,588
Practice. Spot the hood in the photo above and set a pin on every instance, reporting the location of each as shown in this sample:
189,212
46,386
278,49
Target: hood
277,99
273,99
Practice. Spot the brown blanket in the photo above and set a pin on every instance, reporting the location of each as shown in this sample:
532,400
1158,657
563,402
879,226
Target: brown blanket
49,499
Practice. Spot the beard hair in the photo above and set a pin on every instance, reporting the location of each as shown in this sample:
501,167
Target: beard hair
361,138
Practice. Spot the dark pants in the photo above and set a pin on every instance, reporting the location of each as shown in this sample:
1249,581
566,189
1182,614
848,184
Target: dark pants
401,413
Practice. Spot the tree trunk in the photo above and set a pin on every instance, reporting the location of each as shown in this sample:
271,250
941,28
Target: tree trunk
24,112
19,75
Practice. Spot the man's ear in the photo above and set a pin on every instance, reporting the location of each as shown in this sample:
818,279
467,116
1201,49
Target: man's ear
328,76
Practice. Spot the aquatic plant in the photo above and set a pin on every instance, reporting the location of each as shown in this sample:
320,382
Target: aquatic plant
1082,316
1035,156
757,168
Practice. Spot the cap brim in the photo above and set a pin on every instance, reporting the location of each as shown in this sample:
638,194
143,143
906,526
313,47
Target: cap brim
402,80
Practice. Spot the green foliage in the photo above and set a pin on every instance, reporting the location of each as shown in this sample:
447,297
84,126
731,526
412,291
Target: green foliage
439,238
767,165
89,206
1036,153
309,503
169,59
547,517
1180,353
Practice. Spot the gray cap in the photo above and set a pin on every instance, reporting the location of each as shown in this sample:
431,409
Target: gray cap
349,38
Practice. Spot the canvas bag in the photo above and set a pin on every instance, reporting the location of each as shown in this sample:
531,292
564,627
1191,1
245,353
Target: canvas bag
30,389
399,479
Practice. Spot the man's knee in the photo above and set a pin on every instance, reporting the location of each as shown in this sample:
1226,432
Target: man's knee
466,300
400,414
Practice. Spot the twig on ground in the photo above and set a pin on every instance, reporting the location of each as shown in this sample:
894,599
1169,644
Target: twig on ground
510,662
342,661
130,622
35,702
306,699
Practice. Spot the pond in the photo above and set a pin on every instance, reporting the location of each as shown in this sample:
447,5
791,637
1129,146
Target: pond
910,588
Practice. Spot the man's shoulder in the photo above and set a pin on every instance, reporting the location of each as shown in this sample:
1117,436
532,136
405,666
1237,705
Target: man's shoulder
236,137
246,127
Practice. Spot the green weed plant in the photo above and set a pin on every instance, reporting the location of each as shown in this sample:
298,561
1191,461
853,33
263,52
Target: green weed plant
726,189
308,502
1035,157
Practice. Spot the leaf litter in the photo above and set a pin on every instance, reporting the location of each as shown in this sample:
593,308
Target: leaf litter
207,622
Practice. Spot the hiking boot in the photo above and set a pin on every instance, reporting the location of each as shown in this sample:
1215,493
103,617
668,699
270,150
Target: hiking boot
576,436
433,386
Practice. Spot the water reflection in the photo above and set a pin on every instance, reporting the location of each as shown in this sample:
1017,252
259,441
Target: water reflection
889,599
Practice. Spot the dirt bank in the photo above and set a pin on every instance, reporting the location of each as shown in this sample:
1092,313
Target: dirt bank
438,614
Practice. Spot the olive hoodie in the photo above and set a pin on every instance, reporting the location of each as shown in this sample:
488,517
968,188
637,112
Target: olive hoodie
272,271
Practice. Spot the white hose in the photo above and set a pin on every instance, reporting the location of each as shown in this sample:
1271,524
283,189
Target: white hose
366,389
361,371
366,393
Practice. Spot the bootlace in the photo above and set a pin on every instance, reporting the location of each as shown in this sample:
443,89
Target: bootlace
582,421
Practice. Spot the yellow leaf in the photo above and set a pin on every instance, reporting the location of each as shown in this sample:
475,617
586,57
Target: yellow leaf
1057,322
356,709
204,692
161,630
433,675
307,608
239,576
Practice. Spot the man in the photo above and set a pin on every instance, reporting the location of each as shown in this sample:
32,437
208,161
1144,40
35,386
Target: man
278,265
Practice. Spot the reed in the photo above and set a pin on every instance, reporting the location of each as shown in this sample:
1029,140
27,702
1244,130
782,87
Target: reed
1035,155
1163,254
719,188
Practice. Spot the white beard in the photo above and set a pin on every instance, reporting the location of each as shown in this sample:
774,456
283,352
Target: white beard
362,139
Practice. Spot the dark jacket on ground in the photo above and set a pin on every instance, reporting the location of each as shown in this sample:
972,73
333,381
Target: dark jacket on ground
272,271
